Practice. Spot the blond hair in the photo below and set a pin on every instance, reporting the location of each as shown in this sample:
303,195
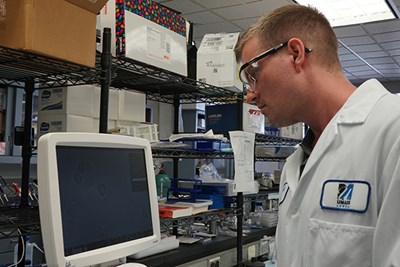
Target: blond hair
295,21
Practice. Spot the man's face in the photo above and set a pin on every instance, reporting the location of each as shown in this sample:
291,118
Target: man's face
271,89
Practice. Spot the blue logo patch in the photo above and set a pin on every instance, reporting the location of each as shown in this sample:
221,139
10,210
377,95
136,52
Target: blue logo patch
345,193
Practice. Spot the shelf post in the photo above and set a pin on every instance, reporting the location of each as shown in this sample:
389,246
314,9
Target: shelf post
105,64
239,200
26,159
239,216
177,103
27,143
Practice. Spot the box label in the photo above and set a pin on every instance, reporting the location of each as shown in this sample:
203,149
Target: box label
158,45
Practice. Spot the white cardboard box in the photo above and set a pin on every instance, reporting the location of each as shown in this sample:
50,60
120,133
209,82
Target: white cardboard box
80,100
131,106
72,100
68,123
112,103
161,44
294,131
216,61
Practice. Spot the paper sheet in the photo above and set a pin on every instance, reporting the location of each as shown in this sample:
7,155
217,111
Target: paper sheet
243,151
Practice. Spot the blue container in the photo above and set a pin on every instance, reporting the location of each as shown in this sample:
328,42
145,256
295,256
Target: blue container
218,200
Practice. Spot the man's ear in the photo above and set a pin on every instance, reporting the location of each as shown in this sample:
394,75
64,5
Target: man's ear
297,50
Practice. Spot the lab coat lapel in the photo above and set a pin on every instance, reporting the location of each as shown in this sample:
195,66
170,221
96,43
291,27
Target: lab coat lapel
292,169
324,142
298,186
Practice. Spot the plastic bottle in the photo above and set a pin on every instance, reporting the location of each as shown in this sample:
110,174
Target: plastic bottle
163,183
258,210
28,252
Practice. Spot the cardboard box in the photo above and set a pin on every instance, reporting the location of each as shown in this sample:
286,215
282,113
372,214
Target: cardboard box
80,100
112,103
70,100
294,131
131,106
63,29
69,123
224,118
216,61
148,32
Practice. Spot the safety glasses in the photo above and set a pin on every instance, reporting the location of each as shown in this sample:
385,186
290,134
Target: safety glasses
248,70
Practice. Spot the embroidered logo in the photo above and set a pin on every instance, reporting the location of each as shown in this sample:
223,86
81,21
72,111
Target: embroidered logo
345,193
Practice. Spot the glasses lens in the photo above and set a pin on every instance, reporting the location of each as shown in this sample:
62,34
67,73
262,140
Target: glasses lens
243,77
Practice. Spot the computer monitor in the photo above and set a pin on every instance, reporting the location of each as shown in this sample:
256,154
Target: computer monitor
97,197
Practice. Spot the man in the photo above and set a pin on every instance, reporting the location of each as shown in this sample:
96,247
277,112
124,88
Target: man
340,190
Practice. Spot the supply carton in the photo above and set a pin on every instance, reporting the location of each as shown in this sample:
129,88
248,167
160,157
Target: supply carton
69,123
63,29
131,106
224,118
146,31
70,100
216,61
80,100
112,103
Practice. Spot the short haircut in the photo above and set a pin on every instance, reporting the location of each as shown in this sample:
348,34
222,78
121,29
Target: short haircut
295,21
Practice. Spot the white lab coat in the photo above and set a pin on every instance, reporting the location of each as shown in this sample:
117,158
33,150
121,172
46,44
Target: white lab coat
362,144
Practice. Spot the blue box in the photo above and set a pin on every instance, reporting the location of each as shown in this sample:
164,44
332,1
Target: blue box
218,200
223,118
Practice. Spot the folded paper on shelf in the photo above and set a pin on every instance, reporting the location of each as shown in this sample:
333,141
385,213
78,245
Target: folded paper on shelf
243,150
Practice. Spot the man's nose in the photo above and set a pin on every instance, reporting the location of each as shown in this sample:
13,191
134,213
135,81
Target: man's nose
251,97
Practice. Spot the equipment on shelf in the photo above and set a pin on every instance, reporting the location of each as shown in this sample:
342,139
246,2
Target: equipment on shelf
184,190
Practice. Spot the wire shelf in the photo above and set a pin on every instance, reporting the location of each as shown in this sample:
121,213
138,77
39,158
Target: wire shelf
192,154
211,215
276,140
164,86
17,67
17,220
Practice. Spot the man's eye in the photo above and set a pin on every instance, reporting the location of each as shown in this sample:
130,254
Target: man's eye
253,73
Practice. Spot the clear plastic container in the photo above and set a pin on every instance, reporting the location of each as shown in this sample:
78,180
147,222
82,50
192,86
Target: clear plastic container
255,216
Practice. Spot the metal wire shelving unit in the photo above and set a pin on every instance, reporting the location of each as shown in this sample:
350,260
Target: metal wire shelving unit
35,72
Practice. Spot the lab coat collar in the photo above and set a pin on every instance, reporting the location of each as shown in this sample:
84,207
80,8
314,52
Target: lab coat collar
360,103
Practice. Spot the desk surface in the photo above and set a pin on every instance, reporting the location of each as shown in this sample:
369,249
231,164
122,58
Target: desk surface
187,253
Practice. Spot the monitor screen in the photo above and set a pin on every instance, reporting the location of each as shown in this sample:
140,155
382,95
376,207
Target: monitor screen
102,182
96,196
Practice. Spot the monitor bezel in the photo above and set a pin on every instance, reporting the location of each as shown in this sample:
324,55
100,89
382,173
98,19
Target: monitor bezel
49,199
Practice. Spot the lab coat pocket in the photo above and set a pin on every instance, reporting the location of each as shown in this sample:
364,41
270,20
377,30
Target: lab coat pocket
334,244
